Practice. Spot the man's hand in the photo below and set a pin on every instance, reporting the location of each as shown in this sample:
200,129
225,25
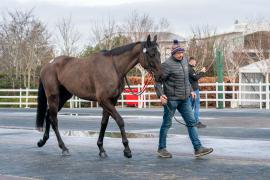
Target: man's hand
163,99
203,70
193,95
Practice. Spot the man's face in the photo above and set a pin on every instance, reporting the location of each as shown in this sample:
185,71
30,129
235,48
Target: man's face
193,62
179,55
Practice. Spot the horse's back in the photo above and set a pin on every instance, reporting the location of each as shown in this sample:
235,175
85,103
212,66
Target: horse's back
81,76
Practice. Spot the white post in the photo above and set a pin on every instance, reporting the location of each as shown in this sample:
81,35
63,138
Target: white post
233,90
206,100
26,100
260,95
234,103
267,86
20,97
143,95
144,100
223,84
122,100
267,96
216,94
239,90
139,97
71,102
149,100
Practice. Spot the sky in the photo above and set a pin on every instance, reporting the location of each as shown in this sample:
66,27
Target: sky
181,14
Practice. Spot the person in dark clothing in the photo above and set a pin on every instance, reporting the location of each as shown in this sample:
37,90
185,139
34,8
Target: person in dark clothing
175,95
193,79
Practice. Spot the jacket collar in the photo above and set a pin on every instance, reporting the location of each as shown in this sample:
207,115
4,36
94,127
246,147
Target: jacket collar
176,60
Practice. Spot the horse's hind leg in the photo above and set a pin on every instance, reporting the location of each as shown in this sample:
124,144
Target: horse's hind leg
53,101
104,122
108,106
63,97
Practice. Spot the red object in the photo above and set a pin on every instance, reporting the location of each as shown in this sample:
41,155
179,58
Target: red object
131,97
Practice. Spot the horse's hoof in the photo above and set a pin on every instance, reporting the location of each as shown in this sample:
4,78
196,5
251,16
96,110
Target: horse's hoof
65,153
40,143
103,154
127,154
40,129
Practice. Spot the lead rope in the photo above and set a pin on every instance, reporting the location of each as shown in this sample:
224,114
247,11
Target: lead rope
143,89
172,115
141,92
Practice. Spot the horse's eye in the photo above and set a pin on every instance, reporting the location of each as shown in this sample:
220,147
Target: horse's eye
152,63
152,54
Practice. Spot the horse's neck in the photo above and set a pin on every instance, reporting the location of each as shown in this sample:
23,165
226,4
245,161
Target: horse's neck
126,61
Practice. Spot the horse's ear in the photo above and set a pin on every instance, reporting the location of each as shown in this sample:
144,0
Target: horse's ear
155,39
148,41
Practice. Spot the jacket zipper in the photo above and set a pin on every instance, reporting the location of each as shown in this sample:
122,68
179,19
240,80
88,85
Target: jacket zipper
184,77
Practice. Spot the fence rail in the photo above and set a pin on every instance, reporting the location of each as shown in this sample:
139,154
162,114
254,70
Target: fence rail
232,95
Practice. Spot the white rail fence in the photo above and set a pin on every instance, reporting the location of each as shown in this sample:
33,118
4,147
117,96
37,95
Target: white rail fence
231,95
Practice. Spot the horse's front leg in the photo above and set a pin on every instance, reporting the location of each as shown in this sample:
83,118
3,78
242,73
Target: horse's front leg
46,135
104,123
108,106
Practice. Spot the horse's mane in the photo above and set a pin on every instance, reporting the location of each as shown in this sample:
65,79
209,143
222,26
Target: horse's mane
119,50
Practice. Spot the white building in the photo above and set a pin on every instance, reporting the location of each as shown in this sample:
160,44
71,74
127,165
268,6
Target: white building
257,75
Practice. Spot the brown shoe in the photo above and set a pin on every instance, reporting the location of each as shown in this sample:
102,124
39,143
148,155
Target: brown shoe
164,153
203,151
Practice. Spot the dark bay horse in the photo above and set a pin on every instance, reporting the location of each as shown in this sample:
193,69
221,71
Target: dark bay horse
100,78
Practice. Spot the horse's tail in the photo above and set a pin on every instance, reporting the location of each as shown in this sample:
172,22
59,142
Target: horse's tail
41,106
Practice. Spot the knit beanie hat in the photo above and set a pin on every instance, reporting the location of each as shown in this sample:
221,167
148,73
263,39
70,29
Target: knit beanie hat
176,47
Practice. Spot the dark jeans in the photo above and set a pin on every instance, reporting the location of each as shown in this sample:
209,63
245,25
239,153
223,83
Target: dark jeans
184,108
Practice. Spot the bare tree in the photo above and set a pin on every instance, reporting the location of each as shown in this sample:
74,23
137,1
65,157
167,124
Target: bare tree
234,58
202,45
138,26
68,37
257,45
103,33
11,43
134,28
24,44
38,51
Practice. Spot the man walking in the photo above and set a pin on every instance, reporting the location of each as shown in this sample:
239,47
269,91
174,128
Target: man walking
175,95
193,79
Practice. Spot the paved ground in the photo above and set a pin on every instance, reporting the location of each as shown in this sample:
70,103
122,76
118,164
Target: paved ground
240,139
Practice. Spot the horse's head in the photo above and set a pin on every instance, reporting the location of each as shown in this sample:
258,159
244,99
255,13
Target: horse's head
150,57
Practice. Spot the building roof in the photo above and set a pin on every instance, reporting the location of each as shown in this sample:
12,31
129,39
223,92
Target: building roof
169,37
262,66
